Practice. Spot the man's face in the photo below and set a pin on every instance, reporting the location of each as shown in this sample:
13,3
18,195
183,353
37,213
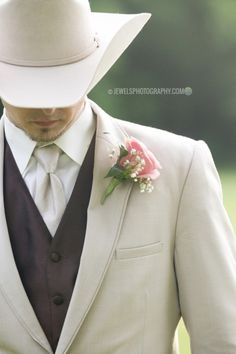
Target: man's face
44,124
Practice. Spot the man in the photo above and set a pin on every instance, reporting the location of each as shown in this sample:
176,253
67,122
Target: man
82,271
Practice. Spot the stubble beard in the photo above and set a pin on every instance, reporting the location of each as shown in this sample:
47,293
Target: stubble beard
46,135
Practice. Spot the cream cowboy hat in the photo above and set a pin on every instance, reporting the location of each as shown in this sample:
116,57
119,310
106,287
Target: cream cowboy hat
54,52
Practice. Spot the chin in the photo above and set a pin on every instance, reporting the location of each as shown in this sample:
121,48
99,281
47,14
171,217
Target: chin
45,137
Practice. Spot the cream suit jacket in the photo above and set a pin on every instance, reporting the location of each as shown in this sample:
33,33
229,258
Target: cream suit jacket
148,259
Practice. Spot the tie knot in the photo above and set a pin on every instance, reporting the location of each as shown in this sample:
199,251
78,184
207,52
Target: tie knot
48,157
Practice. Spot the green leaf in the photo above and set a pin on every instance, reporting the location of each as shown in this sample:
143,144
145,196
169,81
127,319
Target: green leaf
116,171
123,152
112,185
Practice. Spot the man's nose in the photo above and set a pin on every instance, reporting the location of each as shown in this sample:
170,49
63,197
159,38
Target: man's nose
48,111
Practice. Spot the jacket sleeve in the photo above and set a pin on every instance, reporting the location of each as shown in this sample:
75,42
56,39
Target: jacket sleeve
205,259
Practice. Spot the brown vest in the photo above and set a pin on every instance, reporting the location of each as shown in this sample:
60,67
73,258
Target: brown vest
47,266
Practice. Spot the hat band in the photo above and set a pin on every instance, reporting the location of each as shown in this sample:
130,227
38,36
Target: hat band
55,62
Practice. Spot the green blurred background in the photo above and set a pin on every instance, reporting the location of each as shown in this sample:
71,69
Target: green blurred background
187,43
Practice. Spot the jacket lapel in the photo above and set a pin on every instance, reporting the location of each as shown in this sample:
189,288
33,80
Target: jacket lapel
10,282
103,227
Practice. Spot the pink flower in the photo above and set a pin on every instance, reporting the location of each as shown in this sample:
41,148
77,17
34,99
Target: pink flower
141,159
135,163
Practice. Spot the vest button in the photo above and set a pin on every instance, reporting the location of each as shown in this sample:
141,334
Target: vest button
55,257
58,299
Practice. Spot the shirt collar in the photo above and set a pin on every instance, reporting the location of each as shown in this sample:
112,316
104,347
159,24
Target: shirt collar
20,144
74,142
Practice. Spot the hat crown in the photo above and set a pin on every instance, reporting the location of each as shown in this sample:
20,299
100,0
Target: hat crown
45,32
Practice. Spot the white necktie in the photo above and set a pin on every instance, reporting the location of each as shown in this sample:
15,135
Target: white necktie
49,195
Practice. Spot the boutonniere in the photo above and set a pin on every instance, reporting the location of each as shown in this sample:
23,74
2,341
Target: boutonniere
135,163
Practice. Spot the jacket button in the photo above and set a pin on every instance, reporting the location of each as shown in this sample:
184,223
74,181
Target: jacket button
58,299
55,257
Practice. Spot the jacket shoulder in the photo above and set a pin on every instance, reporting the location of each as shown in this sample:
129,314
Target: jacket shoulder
164,144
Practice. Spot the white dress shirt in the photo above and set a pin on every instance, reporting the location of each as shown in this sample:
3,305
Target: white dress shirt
74,143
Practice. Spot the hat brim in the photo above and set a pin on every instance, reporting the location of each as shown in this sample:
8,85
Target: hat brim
64,85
